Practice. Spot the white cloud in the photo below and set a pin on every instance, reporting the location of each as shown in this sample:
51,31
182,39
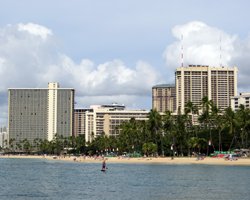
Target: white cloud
29,57
206,45
202,45
35,29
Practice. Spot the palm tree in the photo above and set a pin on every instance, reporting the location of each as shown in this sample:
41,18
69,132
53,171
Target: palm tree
149,148
180,128
100,144
168,122
231,123
11,144
42,146
80,143
36,144
217,121
27,147
19,146
155,126
197,144
190,111
190,108
243,117
128,136
206,108
56,145
205,118
155,123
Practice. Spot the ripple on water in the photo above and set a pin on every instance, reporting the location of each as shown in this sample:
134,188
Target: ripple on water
22,179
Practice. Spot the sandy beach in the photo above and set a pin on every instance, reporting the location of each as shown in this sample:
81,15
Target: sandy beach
142,160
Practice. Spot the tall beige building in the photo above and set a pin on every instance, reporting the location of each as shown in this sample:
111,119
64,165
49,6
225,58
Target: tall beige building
60,110
196,81
164,97
80,117
40,113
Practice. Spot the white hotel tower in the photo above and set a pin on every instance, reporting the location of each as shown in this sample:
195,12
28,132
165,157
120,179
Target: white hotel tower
40,112
194,82
52,110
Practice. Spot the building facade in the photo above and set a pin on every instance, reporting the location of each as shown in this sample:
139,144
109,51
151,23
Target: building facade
164,98
104,119
3,137
40,113
194,82
80,116
242,99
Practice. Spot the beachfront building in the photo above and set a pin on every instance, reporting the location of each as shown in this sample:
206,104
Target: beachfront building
242,99
104,119
80,118
3,137
194,82
164,98
40,113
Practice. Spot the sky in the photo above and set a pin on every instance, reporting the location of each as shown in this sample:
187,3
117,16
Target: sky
114,51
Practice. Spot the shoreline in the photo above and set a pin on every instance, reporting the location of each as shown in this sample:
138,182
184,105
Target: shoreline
140,160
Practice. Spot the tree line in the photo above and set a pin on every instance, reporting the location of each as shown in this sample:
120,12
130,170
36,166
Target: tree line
162,134
200,128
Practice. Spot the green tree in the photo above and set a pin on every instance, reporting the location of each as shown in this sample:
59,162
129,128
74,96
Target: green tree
11,144
155,124
149,148
36,143
218,121
231,123
243,118
45,146
197,144
191,111
181,131
80,143
155,129
27,147
205,118
169,130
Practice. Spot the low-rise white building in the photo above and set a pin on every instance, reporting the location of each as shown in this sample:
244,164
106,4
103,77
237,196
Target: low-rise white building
104,119
242,99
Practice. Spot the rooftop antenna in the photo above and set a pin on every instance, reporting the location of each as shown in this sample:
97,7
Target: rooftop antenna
220,52
182,57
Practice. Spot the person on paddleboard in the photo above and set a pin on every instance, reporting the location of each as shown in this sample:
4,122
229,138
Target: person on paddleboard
104,167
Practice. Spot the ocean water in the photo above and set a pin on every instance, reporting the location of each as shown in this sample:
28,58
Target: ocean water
24,179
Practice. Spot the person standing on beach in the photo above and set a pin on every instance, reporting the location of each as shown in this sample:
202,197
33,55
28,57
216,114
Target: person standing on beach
172,149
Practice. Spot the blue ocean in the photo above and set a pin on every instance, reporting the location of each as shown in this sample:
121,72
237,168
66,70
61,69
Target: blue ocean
24,179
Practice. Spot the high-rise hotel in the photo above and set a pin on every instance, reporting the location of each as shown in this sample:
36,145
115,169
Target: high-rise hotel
164,98
194,82
40,112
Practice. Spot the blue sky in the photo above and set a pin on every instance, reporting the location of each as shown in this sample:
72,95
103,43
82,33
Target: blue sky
113,50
